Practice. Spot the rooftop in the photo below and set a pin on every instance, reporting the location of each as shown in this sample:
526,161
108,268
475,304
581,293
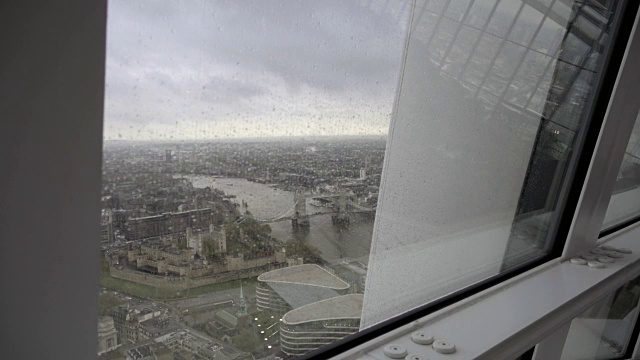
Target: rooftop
227,317
340,307
306,274
297,295
204,344
159,325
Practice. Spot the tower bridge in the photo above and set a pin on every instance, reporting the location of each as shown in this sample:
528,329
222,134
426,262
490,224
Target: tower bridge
343,205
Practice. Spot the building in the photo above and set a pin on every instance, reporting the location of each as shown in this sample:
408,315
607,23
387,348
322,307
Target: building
311,326
292,287
353,272
205,239
149,350
170,224
107,335
203,347
128,319
164,258
157,326
107,235
226,319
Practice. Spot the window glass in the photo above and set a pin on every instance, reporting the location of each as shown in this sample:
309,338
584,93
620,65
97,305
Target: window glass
624,204
479,150
604,331
244,145
278,175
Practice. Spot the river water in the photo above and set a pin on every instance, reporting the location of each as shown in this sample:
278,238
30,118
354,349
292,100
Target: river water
265,202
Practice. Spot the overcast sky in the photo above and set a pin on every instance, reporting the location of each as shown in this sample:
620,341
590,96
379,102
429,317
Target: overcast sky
204,69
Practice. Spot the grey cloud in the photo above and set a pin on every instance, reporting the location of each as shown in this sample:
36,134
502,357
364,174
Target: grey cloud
239,55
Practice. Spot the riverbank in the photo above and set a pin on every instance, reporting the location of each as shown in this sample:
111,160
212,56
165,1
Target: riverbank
334,242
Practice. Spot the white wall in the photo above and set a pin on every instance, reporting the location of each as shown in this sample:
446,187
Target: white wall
51,96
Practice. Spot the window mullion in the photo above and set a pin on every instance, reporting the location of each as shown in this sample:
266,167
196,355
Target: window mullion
609,152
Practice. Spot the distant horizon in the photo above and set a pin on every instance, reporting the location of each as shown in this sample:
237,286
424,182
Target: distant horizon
252,139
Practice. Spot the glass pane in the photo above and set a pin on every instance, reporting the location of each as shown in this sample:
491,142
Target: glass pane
244,145
270,186
478,156
624,204
604,331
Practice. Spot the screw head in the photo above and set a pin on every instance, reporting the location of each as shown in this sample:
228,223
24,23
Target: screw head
414,357
421,338
596,265
444,347
395,351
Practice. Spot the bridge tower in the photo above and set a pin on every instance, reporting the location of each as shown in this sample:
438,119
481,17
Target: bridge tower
342,216
300,220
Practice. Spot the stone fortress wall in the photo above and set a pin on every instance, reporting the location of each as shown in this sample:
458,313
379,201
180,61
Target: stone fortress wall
184,283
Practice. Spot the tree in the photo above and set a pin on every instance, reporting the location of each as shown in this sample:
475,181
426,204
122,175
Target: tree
106,301
310,253
247,340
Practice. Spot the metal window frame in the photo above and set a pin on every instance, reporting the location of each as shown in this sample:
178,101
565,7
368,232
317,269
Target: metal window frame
507,320
546,323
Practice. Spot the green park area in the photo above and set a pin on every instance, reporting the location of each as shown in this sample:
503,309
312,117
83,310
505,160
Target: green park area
253,339
150,292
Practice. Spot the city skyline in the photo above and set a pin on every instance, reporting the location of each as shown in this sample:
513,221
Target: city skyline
197,71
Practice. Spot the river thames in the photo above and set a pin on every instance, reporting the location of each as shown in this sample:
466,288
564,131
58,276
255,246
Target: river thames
265,202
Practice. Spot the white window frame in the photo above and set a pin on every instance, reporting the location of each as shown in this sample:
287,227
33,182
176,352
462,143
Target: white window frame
537,307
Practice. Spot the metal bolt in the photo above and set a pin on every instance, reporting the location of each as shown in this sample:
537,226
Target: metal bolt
421,338
444,347
395,351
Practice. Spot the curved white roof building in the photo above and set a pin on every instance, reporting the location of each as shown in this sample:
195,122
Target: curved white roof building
292,287
311,326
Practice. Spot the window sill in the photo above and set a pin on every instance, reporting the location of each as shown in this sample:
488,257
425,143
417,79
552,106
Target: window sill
510,318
